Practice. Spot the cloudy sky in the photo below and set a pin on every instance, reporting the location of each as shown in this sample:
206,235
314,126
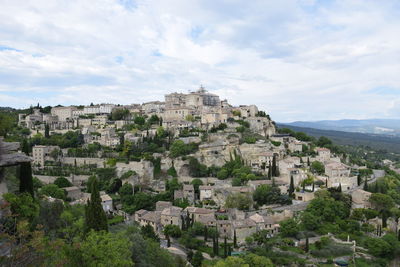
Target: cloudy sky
298,60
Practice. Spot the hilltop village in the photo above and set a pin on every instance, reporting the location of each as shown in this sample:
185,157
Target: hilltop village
195,161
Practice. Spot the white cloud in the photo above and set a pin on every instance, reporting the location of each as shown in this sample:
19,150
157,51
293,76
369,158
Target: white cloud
298,60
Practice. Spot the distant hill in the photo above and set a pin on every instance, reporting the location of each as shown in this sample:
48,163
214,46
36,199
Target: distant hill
371,126
375,141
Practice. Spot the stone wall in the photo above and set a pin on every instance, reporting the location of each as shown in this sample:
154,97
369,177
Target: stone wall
82,161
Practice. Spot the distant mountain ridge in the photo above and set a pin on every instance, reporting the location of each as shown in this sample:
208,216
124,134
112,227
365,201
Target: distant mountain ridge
389,143
370,126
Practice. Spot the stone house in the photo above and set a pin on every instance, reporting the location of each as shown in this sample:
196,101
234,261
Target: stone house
206,192
224,227
152,218
161,205
296,146
265,223
304,196
188,192
171,215
360,199
73,192
243,229
324,154
337,169
199,213
41,154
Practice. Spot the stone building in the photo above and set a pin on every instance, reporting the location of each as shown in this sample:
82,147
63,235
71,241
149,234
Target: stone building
171,215
41,154
63,113
360,199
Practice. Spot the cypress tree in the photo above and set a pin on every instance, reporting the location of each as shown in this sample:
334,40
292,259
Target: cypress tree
313,186
229,250
95,217
365,184
358,179
307,245
269,171
25,178
25,147
225,248
234,239
214,247
205,233
291,186
216,244
308,162
168,241
274,166
187,220
304,186
183,222
340,187
326,183
46,131
398,235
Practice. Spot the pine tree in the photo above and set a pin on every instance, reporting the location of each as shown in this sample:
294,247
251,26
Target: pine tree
25,178
291,186
46,131
95,217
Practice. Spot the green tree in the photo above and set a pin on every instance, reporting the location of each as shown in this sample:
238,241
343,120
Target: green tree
289,228
95,217
25,178
254,260
196,184
383,204
52,190
239,201
102,249
172,230
62,182
46,131
291,186
197,259
318,167
147,231
139,120
23,206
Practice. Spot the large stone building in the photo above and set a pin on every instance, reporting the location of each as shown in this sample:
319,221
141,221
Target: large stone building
41,154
